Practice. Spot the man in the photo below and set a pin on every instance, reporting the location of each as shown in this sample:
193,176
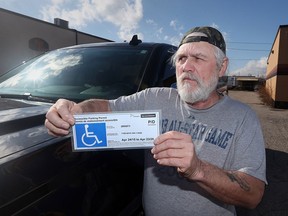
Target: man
210,155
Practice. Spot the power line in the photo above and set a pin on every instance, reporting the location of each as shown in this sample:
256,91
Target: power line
251,47
248,44
250,50
237,42
235,59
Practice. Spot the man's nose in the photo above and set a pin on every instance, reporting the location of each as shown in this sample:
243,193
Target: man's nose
188,65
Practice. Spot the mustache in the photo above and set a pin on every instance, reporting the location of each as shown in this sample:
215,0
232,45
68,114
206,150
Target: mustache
191,76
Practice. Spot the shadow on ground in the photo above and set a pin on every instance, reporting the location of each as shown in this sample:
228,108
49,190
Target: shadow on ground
275,199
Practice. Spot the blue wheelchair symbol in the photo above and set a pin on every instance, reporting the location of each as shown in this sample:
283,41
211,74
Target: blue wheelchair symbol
91,135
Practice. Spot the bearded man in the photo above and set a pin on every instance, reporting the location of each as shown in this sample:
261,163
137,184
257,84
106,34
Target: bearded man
210,156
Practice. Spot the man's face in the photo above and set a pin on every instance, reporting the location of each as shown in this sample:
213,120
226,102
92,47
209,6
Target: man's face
196,71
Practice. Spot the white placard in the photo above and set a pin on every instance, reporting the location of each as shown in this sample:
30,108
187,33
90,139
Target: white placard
121,130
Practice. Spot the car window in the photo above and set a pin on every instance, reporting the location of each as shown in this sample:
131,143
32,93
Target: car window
169,78
103,72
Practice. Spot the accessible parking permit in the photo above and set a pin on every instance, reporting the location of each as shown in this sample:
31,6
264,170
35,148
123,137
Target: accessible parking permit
115,130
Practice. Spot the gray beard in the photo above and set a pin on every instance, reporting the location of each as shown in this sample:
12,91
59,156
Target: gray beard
199,93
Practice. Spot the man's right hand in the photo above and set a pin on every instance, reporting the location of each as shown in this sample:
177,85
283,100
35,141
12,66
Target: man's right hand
59,117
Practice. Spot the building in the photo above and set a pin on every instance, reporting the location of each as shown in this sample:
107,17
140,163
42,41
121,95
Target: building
277,69
249,83
23,38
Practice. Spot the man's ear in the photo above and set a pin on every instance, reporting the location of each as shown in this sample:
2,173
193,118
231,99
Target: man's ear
224,67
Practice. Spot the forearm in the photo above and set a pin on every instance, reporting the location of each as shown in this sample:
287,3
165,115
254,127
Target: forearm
95,105
231,187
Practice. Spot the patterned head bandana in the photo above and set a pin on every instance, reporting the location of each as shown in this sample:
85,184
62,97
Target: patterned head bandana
207,34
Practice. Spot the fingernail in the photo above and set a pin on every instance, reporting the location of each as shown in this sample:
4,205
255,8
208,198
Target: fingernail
71,121
65,125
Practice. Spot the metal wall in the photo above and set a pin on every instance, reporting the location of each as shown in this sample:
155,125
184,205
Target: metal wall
277,69
23,37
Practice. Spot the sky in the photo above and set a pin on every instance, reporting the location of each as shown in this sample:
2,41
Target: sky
248,26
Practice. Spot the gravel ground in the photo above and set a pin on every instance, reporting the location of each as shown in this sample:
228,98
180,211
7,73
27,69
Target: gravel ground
275,129
274,121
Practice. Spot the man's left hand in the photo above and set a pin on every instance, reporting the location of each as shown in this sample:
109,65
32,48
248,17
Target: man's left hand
177,149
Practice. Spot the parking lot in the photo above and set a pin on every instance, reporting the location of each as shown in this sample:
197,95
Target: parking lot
275,129
274,121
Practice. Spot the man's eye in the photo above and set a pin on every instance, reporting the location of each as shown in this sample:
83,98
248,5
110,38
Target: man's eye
181,58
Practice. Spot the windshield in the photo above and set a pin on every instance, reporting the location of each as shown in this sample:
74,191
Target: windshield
79,73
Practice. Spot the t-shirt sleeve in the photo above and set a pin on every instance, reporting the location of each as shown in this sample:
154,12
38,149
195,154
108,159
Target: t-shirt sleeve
250,148
149,98
126,103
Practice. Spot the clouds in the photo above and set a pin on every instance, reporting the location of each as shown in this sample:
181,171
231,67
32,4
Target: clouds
125,18
124,14
169,32
253,68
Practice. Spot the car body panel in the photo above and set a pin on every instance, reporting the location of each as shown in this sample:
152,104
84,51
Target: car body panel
40,174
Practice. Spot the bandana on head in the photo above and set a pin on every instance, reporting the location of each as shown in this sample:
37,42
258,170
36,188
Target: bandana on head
210,35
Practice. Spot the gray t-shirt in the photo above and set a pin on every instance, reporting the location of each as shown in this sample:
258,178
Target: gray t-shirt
227,135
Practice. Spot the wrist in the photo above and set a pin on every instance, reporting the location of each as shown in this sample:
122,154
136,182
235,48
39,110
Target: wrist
195,174
198,173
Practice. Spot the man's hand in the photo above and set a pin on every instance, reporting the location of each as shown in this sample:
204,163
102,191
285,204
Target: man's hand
232,187
59,117
177,149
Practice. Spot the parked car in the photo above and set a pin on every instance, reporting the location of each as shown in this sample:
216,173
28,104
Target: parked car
40,174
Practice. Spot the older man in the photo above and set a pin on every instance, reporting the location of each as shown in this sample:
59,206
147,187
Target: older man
210,155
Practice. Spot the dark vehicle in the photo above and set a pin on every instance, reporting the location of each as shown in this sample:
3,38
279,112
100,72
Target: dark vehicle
40,174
